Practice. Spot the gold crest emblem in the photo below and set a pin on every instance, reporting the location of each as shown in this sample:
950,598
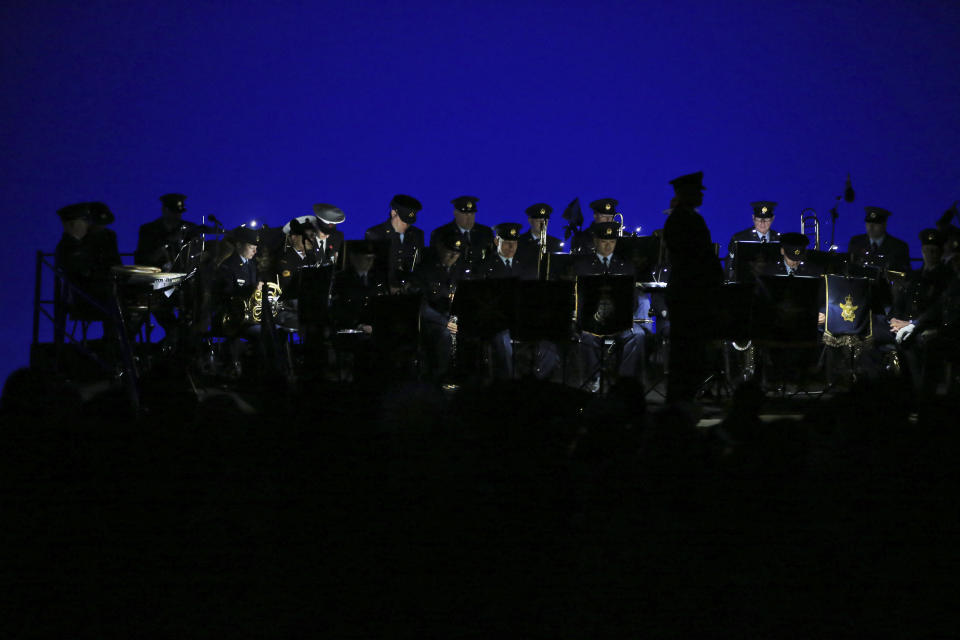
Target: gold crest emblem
543,212
796,252
456,243
513,232
468,206
608,206
286,273
763,209
848,309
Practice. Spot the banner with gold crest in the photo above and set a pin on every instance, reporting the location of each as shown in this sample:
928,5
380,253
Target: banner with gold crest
848,310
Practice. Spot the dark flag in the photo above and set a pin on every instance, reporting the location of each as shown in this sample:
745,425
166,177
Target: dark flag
574,216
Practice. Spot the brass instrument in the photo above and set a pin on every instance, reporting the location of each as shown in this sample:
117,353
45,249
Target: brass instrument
615,216
811,217
241,312
543,253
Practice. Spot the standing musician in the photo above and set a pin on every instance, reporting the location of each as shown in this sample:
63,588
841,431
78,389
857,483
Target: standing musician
759,232
538,216
405,240
876,247
437,278
159,243
695,271
477,239
85,256
325,241
604,210
631,341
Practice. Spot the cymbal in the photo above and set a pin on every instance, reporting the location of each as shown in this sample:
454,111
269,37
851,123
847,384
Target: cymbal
130,269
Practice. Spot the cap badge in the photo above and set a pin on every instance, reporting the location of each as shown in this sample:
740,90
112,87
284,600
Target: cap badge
608,206
543,211
763,209
796,252
513,232
468,206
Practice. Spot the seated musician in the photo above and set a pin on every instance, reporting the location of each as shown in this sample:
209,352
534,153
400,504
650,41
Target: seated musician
604,210
237,280
504,263
878,248
354,286
293,257
476,238
793,251
85,255
761,231
538,216
437,278
630,342
404,239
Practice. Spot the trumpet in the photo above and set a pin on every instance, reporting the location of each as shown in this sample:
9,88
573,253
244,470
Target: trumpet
806,218
618,217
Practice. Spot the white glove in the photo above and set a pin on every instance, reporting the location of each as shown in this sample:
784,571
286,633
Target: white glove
905,332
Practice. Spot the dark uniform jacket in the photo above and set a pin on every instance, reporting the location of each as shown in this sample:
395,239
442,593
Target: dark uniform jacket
582,241
528,245
895,252
401,253
287,269
86,264
592,265
154,239
436,283
745,235
693,261
234,278
494,268
944,313
916,293
803,269
478,243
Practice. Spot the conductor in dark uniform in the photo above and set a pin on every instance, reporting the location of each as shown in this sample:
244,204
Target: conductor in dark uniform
761,231
630,342
477,239
437,278
695,274
538,216
405,241
876,246
604,210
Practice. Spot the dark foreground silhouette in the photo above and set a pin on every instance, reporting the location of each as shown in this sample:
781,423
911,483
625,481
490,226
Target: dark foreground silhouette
525,510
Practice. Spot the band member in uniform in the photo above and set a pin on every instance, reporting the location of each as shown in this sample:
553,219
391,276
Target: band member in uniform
477,239
538,216
507,263
876,246
293,257
237,280
793,251
437,278
405,240
630,342
159,243
354,286
916,293
695,272
85,256
760,231
325,240
604,210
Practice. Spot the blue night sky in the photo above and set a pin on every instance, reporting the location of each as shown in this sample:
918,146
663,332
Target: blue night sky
258,110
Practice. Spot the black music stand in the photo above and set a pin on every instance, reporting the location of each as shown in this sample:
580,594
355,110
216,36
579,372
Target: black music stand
726,316
642,251
751,256
315,283
544,311
396,330
784,322
561,266
484,308
827,261
605,305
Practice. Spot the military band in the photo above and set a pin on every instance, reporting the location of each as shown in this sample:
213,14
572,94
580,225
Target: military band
257,271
